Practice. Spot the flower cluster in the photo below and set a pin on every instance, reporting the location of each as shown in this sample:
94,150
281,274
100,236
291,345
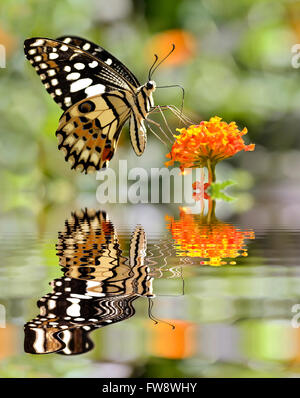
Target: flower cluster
206,144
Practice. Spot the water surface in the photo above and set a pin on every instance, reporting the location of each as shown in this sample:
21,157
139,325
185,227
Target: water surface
148,291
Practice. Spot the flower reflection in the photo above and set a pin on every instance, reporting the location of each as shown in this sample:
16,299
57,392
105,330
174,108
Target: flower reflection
205,236
98,287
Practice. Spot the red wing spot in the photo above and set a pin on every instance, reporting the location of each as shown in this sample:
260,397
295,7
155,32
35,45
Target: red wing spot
107,154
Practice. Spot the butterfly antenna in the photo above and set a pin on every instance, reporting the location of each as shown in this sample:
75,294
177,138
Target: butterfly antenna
152,66
154,69
153,318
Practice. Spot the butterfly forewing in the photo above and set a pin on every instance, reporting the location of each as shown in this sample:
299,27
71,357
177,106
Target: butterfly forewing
69,73
101,54
88,132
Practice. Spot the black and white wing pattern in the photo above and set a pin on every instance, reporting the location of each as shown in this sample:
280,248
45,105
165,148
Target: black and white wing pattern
88,132
103,55
71,74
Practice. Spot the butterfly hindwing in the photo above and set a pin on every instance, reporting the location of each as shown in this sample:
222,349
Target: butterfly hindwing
103,55
138,134
71,74
88,132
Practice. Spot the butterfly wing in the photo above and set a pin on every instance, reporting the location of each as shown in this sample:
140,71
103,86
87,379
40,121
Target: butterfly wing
103,55
88,132
71,74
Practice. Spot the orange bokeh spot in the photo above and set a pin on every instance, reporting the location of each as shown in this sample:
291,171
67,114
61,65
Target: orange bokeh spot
8,41
293,18
171,343
8,341
161,44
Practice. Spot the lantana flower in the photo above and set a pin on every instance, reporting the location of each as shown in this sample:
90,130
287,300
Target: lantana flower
206,144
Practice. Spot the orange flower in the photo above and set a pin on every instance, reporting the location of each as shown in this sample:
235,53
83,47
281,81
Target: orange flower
206,144
214,241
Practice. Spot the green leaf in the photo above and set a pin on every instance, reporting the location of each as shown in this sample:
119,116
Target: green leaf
216,189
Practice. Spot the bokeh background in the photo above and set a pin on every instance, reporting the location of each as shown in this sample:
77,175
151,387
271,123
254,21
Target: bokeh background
234,59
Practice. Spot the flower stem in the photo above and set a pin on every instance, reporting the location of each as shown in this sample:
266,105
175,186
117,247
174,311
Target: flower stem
211,167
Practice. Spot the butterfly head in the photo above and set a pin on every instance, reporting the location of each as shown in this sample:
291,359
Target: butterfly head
150,86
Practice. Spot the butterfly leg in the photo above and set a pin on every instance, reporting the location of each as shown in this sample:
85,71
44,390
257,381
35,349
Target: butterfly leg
183,118
165,120
155,134
160,128
180,115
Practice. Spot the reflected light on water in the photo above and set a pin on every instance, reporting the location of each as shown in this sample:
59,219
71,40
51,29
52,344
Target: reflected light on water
166,314
206,237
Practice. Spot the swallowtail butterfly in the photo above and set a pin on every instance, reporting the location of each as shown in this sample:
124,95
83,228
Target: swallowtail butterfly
98,95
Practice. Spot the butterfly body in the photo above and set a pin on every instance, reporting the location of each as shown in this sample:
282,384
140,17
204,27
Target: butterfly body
98,95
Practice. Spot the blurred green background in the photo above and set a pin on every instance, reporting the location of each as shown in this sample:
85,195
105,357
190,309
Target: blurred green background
232,57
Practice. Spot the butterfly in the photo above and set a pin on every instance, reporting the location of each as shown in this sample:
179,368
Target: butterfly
98,95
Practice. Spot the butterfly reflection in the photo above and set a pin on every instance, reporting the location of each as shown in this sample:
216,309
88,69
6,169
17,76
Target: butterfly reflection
98,287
